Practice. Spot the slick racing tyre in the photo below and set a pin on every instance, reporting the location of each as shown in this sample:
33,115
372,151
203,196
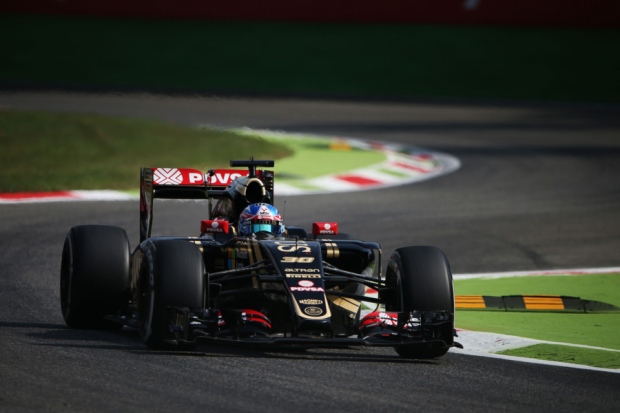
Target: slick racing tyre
94,276
172,274
422,281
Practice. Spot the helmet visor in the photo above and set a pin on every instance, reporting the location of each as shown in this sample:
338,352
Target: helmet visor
265,227
274,227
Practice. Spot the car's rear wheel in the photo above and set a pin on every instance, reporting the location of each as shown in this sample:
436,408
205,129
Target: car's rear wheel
422,281
94,276
172,275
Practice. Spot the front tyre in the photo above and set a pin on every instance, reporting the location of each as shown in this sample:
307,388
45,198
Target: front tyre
421,279
172,275
94,276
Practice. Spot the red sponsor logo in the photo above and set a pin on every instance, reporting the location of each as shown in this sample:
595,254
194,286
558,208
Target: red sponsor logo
214,226
176,176
324,228
306,283
224,177
186,176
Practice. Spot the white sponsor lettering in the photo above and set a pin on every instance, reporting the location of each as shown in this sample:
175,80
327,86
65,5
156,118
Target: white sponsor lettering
214,228
224,178
311,301
303,275
312,289
195,177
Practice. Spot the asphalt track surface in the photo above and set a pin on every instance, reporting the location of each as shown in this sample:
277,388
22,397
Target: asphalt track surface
538,188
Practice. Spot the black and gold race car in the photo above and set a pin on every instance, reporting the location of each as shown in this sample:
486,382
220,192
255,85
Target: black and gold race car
289,288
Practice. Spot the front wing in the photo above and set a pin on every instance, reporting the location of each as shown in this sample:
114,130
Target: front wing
415,330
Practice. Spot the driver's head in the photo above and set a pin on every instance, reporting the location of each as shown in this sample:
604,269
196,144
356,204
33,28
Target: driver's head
260,217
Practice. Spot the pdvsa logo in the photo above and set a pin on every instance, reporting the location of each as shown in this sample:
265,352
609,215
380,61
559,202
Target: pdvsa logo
224,177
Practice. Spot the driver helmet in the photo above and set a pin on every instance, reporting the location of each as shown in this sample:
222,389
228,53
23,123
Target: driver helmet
260,217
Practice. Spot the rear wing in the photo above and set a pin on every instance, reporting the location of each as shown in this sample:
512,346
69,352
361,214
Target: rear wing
239,185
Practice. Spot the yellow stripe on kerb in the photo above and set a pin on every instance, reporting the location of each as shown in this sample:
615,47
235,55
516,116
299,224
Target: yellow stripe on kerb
533,302
469,301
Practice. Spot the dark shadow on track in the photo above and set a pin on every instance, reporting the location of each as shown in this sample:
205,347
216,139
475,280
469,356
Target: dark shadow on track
128,341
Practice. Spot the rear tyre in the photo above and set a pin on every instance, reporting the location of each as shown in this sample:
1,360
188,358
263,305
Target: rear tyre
421,278
94,276
172,275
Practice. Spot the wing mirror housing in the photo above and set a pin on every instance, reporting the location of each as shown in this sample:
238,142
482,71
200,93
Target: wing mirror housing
324,228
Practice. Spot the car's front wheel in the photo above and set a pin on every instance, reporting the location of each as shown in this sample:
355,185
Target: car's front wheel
422,281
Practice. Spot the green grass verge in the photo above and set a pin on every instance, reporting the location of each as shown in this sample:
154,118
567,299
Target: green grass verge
312,157
303,58
593,329
566,354
599,287
51,151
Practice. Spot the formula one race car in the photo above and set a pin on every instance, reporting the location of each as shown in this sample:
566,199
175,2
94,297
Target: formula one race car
248,279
